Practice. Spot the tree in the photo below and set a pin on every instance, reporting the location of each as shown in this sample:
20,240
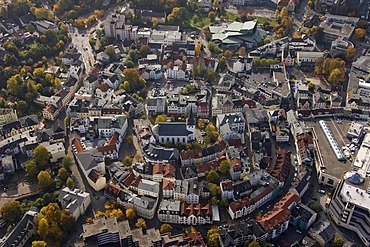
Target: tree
201,123
212,16
266,41
311,86
198,49
144,50
32,169
111,52
69,183
63,174
165,228
315,206
126,86
338,242
351,52
214,189
228,54
130,213
242,51
214,49
254,244
213,237
11,211
161,119
67,162
41,156
15,84
210,76
222,63
359,34
140,223
43,228
212,176
58,223
127,161
284,12
39,244
224,167
44,179
336,76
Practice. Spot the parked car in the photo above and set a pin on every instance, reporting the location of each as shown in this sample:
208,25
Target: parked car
322,191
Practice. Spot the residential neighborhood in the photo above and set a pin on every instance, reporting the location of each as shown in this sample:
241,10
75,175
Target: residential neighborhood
185,123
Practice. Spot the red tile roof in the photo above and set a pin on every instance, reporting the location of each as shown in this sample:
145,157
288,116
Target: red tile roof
78,145
94,175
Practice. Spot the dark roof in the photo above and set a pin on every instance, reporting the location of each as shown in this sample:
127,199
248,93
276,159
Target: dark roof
28,121
22,229
27,18
173,129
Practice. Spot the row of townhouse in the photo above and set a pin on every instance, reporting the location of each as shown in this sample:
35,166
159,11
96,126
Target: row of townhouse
250,195
194,157
272,224
176,212
156,172
179,105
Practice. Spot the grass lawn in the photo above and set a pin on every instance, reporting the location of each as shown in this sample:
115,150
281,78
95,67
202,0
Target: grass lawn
231,16
201,21
261,20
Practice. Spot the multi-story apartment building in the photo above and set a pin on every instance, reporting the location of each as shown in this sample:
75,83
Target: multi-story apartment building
350,208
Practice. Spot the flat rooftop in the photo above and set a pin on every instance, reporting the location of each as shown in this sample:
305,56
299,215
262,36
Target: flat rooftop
362,160
334,167
355,195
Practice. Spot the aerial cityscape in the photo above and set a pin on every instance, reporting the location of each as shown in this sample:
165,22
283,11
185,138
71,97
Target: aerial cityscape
181,123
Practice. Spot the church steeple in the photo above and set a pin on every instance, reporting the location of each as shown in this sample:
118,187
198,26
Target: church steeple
190,121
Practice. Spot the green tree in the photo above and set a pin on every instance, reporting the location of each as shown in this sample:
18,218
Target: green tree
315,206
201,123
63,174
338,242
39,244
222,63
266,41
212,176
41,156
126,86
111,52
336,76
140,223
11,211
165,228
224,167
214,49
43,228
215,190
70,184
15,85
67,162
254,244
210,76
228,54
44,179
32,169
160,119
